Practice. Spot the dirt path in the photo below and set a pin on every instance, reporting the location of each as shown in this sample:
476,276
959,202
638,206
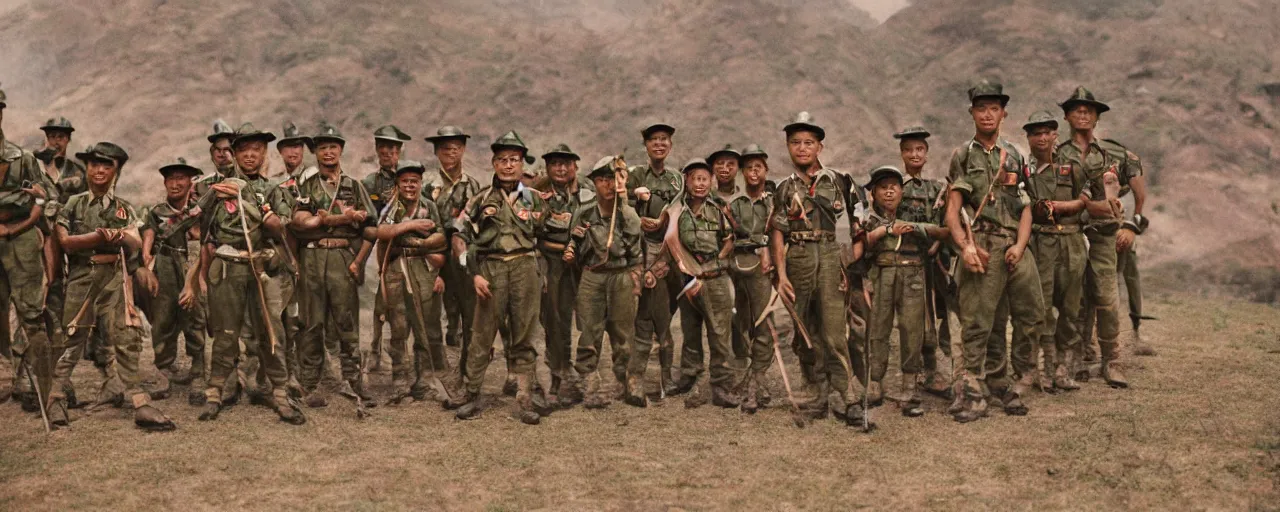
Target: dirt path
1200,430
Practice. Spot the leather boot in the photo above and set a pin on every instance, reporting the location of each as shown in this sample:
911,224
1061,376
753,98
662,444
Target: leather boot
958,403
910,405
149,418
571,392
635,392
1013,405
317,400
459,398
905,390
211,410
510,387
695,399
360,388
524,401
723,397
592,397
975,408
554,392
936,384
875,394
818,406
684,385
750,398
1062,373
762,390
470,409
195,394
1113,376
288,412
58,413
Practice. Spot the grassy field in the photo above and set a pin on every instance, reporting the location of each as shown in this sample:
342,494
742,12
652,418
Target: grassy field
1200,429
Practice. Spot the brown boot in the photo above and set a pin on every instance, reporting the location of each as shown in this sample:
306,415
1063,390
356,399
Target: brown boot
288,412
974,408
635,392
592,397
905,390
875,394
750,394
910,402
1113,376
525,410
471,408
1013,405
684,385
723,397
147,417
571,392
936,384
510,387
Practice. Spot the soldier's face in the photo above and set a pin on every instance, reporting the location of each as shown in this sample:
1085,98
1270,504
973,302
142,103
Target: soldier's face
756,171
291,154
388,153
699,181
987,114
658,146
250,155
562,170
410,185
220,153
726,169
1083,117
450,152
887,193
58,140
605,187
1042,138
804,148
177,185
329,153
915,153
508,165
101,173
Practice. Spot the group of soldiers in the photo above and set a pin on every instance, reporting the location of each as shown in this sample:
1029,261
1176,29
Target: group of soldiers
265,266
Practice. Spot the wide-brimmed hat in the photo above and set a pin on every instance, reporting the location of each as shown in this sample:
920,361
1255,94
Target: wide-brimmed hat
727,150
804,122
1041,118
753,151
59,124
391,133
985,89
882,172
512,140
292,135
561,151
657,126
221,130
446,133
179,164
1084,96
247,133
330,133
603,167
104,151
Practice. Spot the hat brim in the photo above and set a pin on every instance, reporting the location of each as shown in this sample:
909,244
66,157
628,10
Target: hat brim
711,160
94,156
265,137
419,170
748,156
1098,105
213,139
288,141
561,154
690,168
1004,98
316,140
1052,123
172,168
805,127
912,135
390,139
660,127
441,138
51,128
876,177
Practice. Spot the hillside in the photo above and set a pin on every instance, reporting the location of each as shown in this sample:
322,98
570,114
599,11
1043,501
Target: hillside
1192,84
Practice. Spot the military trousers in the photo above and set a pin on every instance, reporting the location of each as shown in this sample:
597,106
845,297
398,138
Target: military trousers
655,310
333,306
815,273
95,301
516,298
606,304
1060,260
233,290
410,290
897,292
1127,262
941,302
22,282
1101,295
751,291
980,298
712,308
557,313
458,302
169,319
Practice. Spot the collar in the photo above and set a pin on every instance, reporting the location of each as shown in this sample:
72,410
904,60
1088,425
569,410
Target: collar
444,175
974,143
105,199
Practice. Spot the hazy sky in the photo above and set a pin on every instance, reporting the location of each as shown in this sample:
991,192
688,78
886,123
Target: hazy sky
880,9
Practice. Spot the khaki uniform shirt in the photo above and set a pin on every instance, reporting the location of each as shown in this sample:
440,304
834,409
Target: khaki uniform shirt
975,170
590,237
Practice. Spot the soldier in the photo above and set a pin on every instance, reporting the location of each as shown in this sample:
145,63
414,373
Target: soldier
1083,151
725,164
986,176
66,173
750,267
650,188
1126,244
706,234
98,230
220,148
388,142
922,202
412,229
169,231
606,246
564,196
502,225
897,250
806,208
25,193
292,147
333,216
249,213
451,188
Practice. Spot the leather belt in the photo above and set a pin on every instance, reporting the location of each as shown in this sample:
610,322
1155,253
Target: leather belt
104,259
171,251
993,229
509,256
550,246
895,259
232,254
710,275
1056,229
816,235
329,243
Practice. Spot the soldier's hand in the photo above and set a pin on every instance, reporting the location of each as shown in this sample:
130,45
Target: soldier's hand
973,259
642,193
357,272
695,289
36,191
902,228
424,226
568,254
785,288
482,288
148,281
439,285
187,298
1013,255
4,230
1124,240
649,225
226,188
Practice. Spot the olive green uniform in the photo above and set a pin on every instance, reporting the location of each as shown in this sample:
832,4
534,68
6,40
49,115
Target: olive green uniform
703,234
459,297
897,278
1100,286
750,218
1128,166
381,187
22,269
976,173
95,297
332,297
409,284
233,290
502,234
919,204
606,300
1059,248
805,212
657,303
175,252
562,278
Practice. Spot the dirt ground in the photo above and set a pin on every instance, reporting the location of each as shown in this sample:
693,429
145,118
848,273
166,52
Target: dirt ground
1200,429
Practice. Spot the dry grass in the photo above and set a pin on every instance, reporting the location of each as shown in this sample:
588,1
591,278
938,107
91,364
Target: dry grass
1198,431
